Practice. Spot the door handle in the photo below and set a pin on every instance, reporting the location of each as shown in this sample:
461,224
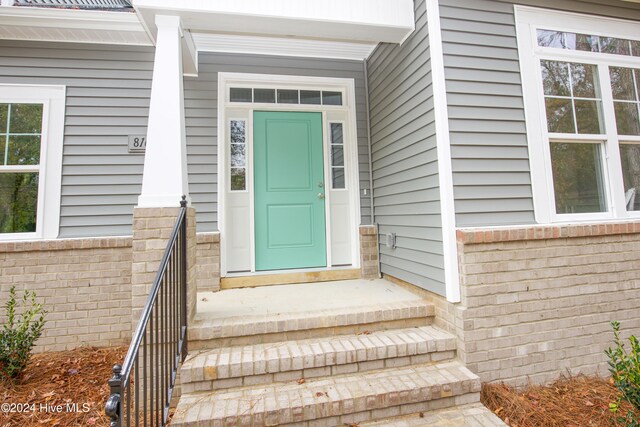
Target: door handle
321,196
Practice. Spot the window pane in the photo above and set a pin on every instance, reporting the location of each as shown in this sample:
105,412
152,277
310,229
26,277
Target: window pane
577,178
573,41
555,78
310,97
332,98
586,43
237,179
337,178
630,155
549,38
18,202
238,131
23,150
337,155
588,117
286,96
4,108
336,133
582,76
238,155
627,120
614,46
622,86
560,115
25,118
238,94
264,95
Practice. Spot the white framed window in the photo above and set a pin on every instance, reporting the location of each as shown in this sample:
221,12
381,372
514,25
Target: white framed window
582,103
31,135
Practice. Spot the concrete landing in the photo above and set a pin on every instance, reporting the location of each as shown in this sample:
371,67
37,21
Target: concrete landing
300,298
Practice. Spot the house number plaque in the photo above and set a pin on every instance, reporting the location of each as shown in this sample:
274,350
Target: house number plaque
137,143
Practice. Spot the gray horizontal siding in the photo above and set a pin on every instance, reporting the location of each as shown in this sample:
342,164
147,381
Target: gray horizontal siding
108,90
492,183
201,99
404,159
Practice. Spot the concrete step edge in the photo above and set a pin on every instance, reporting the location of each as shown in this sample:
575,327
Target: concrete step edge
211,328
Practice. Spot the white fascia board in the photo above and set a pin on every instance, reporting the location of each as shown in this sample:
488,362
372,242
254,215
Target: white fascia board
357,20
256,45
62,25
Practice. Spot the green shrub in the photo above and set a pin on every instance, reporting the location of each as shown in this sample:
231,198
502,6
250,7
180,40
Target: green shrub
19,333
625,370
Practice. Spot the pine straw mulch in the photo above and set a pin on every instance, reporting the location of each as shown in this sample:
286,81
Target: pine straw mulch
76,376
578,401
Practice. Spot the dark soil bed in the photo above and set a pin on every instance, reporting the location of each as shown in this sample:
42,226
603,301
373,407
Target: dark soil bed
569,402
66,388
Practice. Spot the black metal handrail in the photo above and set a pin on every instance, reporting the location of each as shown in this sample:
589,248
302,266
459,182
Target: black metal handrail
141,388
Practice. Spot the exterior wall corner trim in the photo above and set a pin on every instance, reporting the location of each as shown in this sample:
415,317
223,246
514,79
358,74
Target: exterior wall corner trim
445,173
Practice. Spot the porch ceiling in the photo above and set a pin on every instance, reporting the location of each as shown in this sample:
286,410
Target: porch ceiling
364,21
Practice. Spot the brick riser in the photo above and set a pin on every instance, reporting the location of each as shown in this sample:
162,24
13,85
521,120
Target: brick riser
201,345
333,400
215,333
311,358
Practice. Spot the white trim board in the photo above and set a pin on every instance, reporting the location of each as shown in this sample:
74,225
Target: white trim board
50,181
347,110
445,174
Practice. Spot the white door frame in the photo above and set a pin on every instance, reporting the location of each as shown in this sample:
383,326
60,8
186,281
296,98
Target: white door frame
347,110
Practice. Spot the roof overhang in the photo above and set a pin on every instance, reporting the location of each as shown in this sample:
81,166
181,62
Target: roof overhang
65,25
335,29
360,21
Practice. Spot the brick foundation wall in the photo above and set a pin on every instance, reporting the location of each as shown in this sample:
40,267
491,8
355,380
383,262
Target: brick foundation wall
369,259
208,262
85,284
537,301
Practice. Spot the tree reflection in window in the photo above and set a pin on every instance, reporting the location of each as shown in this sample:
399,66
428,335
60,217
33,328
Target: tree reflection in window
238,155
20,145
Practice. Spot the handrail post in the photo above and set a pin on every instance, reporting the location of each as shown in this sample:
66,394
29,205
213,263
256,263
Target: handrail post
183,278
112,409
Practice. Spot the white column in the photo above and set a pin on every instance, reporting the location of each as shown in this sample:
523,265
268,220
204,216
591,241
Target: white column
164,179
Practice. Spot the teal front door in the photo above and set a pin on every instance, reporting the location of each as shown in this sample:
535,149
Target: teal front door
289,190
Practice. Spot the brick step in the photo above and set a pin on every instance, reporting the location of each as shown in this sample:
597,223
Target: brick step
208,333
290,360
471,415
334,400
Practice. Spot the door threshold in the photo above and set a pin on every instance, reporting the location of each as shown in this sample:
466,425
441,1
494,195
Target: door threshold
286,277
